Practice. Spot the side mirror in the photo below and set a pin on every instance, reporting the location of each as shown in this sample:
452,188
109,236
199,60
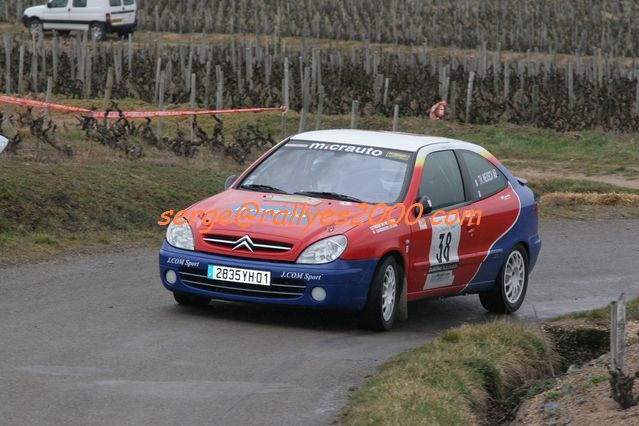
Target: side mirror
427,206
49,4
3,143
229,181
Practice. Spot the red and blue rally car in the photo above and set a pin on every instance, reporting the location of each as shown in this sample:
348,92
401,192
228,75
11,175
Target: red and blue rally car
407,245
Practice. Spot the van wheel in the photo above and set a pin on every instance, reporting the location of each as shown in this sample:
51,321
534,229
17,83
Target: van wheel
511,285
35,27
383,296
97,31
191,299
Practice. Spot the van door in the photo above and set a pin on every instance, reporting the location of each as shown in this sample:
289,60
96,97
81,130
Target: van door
57,15
122,12
82,12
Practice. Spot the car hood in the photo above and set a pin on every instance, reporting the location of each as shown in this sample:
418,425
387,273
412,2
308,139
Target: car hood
298,223
30,11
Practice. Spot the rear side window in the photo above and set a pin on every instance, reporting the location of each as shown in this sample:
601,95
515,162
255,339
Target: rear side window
113,3
485,177
442,180
59,3
79,3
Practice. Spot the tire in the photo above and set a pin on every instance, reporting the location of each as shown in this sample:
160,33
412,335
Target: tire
98,31
383,296
35,27
186,299
511,285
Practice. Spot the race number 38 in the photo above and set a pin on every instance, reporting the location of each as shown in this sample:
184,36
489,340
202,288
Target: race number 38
444,255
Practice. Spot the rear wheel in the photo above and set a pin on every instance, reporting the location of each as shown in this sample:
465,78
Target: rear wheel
512,283
98,32
35,27
381,307
187,299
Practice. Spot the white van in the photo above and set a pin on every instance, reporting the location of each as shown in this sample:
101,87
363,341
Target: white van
98,16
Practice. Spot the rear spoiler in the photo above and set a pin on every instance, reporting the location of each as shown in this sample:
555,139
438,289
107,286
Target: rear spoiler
522,181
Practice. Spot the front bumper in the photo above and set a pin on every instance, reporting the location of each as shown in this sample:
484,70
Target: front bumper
346,282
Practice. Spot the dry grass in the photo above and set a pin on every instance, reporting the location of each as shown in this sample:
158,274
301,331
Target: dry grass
46,210
589,205
459,378
609,199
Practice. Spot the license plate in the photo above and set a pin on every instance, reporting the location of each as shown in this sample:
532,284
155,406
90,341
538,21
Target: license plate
239,275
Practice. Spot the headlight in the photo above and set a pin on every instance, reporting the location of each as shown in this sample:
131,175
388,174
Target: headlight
324,251
180,236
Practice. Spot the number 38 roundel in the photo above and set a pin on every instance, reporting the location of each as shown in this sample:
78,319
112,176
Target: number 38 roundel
443,255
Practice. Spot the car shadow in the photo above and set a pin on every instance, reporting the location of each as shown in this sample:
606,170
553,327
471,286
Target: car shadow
426,316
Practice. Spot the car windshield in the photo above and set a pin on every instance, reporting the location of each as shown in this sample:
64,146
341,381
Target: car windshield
336,171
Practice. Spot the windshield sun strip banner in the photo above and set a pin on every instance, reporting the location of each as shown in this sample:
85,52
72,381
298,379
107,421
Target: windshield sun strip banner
369,151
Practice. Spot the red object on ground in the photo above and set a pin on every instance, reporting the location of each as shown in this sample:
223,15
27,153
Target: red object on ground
438,111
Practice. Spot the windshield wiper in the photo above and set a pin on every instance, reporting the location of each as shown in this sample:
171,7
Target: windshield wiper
263,188
332,195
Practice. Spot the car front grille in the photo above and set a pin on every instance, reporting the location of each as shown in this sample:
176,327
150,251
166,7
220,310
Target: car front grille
280,288
251,245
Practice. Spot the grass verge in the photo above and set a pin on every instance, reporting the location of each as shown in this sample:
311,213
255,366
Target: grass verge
603,314
576,199
46,209
459,378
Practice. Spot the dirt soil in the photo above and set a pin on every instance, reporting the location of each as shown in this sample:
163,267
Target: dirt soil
582,397
551,173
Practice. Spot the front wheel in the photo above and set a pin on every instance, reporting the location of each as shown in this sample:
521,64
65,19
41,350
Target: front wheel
383,296
512,283
187,299
98,32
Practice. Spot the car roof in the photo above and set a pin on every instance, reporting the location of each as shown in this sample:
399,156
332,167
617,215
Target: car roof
377,139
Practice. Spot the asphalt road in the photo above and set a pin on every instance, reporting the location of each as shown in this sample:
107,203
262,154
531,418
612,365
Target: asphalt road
98,341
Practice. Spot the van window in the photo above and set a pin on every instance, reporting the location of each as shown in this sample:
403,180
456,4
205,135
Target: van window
129,2
79,3
485,178
113,3
59,3
442,180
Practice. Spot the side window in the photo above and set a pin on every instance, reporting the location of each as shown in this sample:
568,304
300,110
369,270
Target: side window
485,177
129,2
442,180
58,3
79,3
114,3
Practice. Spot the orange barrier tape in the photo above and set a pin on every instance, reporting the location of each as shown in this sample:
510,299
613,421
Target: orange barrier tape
40,105
130,114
